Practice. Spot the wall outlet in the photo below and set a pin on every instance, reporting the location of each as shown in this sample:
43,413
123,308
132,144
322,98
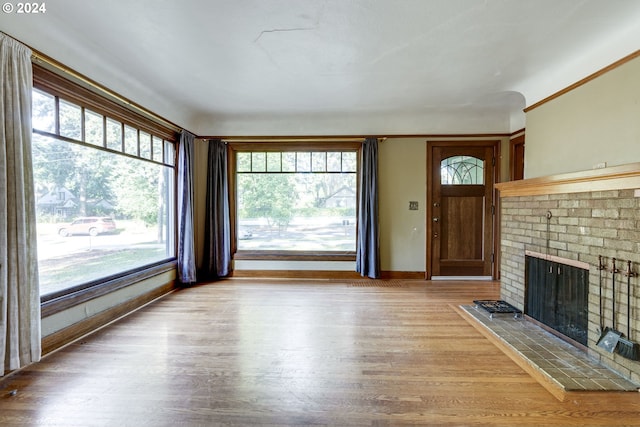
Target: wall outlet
413,206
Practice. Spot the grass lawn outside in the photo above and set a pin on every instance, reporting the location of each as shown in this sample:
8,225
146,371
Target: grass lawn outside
81,267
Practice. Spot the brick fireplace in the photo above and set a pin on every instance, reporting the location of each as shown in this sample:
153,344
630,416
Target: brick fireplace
577,217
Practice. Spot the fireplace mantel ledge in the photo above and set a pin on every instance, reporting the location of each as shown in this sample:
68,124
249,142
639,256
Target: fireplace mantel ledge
622,177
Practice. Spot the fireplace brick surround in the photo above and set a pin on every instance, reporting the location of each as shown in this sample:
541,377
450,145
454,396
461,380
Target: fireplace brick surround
592,213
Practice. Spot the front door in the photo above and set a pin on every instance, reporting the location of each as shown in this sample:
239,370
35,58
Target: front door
460,214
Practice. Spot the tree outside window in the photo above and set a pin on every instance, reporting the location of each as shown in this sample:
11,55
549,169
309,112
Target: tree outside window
296,201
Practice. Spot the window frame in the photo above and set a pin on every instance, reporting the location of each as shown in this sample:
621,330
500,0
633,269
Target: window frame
64,89
287,146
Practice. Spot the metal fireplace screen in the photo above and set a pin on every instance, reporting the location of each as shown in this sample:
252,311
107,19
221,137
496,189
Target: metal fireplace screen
557,295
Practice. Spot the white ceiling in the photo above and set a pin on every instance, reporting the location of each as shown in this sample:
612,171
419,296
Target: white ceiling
321,67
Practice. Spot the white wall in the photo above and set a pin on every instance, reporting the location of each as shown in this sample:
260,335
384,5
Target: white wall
402,178
439,120
83,311
594,123
245,265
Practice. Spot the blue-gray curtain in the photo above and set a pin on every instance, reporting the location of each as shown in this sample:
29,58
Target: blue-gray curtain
19,286
186,238
216,262
368,245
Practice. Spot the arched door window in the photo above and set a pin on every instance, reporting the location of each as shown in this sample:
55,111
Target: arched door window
462,170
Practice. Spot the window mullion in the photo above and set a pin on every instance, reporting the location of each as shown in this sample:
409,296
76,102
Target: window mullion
83,127
138,142
104,131
57,115
122,135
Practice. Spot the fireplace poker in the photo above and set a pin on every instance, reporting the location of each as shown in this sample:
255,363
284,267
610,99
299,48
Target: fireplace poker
626,347
610,336
601,267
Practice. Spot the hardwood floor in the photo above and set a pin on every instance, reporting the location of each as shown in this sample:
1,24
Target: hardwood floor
293,352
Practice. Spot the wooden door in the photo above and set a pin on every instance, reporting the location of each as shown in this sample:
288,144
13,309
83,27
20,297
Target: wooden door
460,214
516,158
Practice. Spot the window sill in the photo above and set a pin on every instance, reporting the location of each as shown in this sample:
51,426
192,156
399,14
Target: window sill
294,256
57,302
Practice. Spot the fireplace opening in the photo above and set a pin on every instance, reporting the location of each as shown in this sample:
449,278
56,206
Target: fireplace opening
557,293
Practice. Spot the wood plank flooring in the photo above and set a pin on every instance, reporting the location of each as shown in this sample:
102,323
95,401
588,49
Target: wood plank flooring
295,353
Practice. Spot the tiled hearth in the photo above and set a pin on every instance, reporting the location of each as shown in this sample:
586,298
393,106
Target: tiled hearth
558,363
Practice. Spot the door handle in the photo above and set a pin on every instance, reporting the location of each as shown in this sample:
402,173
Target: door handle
436,219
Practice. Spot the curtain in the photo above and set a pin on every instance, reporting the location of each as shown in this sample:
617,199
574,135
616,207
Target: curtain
186,238
217,247
368,248
19,286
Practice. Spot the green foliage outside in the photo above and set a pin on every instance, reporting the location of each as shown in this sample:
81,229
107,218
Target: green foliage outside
99,183
64,271
270,196
279,197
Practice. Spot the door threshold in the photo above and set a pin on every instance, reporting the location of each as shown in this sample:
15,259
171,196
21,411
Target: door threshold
458,278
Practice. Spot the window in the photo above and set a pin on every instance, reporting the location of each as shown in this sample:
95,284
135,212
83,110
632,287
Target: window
298,201
105,197
462,170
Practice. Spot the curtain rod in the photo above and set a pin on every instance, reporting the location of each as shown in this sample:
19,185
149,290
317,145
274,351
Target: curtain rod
380,137
287,138
293,138
55,66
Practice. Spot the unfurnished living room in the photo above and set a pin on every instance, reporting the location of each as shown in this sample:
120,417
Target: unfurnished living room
320,213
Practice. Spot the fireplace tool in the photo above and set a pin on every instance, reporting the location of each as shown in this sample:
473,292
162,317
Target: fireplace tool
626,347
610,336
601,267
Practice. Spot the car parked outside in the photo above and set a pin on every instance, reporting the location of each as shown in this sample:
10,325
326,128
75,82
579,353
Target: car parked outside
91,225
244,233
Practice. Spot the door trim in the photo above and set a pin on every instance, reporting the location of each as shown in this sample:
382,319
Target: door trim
516,163
495,144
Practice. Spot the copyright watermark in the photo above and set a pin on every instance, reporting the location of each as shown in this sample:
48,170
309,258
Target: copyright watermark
24,8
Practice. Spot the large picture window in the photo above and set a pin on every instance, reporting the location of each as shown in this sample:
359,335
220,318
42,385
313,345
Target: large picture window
298,201
104,195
